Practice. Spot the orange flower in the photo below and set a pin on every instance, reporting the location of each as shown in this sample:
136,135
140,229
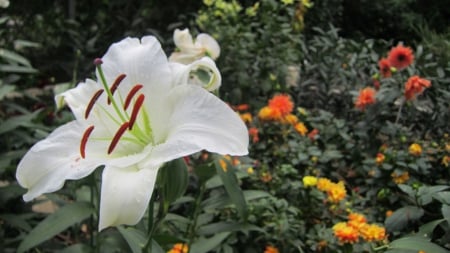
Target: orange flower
345,233
179,248
241,107
365,98
415,86
415,149
446,160
281,103
253,132
400,57
385,67
380,158
356,218
372,232
266,113
300,128
323,184
336,192
246,117
266,177
389,213
271,249
400,178
289,119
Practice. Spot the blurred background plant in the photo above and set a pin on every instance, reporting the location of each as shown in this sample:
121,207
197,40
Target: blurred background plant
392,169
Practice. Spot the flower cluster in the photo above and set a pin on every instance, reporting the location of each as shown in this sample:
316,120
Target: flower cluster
335,191
357,227
271,249
179,248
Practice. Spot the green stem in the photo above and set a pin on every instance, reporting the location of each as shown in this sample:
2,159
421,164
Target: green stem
108,91
195,214
399,113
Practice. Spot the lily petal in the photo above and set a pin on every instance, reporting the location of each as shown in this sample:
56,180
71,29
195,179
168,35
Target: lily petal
207,42
52,161
200,121
183,39
182,73
125,194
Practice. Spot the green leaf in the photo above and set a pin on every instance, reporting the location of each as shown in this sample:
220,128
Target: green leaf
204,245
408,190
224,226
443,197
446,212
13,57
416,243
135,238
401,217
427,229
425,193
174,180
55,223
17,69
17,121
5,90
231,184
76,248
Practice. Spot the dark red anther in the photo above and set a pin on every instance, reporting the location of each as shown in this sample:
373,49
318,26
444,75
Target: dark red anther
84,140
136,107
117,136
115,85
131,94
91,103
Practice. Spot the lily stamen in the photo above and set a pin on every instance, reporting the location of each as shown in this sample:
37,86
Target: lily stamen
117,136
84,140
92,102
136,107
131,94
115,85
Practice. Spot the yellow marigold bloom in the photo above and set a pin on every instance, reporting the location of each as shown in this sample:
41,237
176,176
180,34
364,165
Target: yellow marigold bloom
301,128
336,192
400,178
372,232
179,248
323,184
356,220
271,249
246,117
345,233
422,251
250,170
446,160
223,165
415,149
290,119
286,2
309,181
380,158
266,113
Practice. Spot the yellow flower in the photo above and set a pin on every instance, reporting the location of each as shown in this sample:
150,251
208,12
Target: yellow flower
290,119
286,2
446,160
309,181
336,192
400,178
250,170
323,184
380,158
415,149
356,220
246,117
345,233
266,113
301,128
179,248
372,232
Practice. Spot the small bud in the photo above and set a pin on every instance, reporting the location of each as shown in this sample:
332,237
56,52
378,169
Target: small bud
98,61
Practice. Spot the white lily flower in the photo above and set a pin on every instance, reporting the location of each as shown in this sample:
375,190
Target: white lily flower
141,113
4,3
190,50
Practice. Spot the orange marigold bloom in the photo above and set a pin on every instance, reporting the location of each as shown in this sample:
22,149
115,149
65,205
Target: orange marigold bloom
380,158
345,233
400,178
266,113
365,98
414,86
266,177
282,103
271,249
385,67
289,119
179,248
323,184
400,57
415,149
372,232
336,192
241,107
446,160
253,132
357,217
300,128
246,117
389,213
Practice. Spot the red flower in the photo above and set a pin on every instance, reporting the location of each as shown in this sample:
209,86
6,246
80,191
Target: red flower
253,132
365,98
400,57
414,86
282,104
376,83
385,67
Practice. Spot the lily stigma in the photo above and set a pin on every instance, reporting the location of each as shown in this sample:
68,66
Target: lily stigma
142,112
